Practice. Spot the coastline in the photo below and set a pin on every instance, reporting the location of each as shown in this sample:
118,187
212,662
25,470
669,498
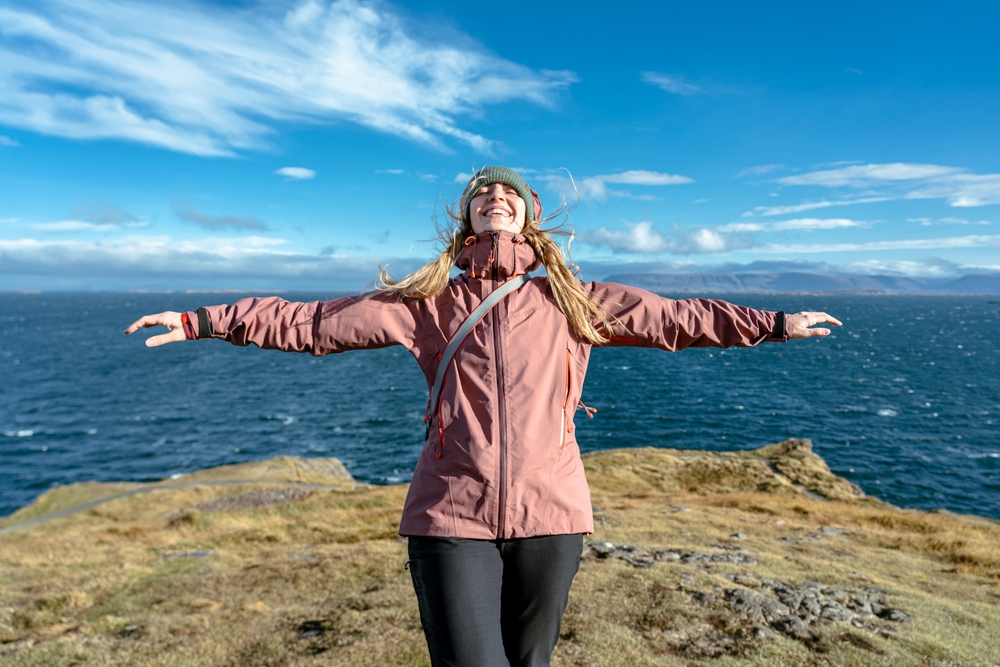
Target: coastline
754,557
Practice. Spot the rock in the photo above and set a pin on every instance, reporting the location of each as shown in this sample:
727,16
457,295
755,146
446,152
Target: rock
737,536
896,616
831,531
702,597
793,627
242,501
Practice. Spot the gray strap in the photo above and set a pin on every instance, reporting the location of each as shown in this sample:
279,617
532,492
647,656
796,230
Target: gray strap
467,326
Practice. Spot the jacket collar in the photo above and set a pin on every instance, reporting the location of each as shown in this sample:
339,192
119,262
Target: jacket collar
510,254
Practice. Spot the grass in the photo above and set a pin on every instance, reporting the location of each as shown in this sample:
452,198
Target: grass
145,580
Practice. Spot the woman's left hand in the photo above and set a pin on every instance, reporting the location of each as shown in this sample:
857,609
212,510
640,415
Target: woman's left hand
802,321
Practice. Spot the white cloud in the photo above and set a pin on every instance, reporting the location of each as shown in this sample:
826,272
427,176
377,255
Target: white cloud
395,172
213,80
296,173
960,188
760,170
930,268
806,224
766,211
7,141
868,175
927,222
744,227
595,188
905,244
161,263
817,223
74,226
644,238
642,177
462,178
672,83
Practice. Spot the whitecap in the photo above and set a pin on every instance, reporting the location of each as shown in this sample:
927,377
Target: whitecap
887,412
19,434
988,455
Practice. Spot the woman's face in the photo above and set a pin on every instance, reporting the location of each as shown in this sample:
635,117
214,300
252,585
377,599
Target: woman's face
496,208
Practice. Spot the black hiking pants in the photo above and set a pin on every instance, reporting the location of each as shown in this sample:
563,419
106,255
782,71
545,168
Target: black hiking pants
493,603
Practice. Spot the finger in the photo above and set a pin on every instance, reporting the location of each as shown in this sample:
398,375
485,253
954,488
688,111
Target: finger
818,332
132,328
173,336
147,321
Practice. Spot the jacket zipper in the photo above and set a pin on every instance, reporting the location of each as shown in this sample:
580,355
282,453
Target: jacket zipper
501,403
569,384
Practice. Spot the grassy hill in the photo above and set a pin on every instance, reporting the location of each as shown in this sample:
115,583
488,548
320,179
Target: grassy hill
761,557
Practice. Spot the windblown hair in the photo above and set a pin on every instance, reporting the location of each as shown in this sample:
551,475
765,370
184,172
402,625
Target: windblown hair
587,318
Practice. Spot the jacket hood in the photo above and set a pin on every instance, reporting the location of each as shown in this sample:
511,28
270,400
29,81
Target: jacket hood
510,254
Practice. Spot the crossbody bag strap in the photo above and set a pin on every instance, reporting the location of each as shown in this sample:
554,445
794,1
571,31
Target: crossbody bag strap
463,331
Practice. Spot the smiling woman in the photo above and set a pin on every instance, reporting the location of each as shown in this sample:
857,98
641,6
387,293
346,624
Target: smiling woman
499,502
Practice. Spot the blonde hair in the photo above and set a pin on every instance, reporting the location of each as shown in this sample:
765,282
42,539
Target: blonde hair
587,318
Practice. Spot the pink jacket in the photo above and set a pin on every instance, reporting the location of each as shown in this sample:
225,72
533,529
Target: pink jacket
501,460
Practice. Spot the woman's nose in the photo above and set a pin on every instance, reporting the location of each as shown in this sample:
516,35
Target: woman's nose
496,192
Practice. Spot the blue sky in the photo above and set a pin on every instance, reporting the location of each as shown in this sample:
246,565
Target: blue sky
299,145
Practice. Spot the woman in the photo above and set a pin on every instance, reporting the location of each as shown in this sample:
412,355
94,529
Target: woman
499,503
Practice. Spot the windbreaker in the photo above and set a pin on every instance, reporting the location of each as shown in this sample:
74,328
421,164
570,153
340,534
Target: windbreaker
501,459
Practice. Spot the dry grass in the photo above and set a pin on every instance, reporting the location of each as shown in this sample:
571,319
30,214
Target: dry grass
145,580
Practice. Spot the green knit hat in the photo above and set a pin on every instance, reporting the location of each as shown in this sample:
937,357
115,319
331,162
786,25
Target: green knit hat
491,175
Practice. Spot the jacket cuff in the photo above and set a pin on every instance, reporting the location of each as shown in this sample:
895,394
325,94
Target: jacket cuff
204,324
782,327
189,322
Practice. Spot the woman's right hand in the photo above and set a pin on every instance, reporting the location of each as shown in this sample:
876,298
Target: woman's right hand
169,319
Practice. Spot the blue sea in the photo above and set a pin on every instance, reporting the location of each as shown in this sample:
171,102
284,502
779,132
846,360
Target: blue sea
904,400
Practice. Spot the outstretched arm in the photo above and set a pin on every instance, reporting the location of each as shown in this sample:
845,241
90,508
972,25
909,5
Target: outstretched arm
273,323
644,319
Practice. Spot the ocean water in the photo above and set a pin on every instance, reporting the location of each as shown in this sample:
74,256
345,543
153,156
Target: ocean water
904,400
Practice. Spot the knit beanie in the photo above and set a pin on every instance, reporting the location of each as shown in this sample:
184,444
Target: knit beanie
491,175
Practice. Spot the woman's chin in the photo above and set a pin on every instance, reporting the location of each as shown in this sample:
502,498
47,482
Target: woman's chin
498,226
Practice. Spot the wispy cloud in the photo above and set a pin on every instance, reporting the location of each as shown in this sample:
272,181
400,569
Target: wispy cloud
215,80
595,188
869,175
987,241
903,180
103,217
760,170
818,223
296,173
394,172
74,226
927,222
7,141
804,224
163,262
106,214
672,83
185,211
810,206
645,239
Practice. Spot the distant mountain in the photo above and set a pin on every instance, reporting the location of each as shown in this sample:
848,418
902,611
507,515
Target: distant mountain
807,282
